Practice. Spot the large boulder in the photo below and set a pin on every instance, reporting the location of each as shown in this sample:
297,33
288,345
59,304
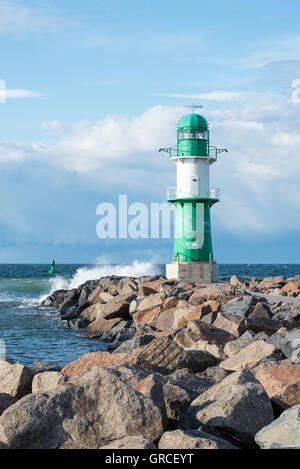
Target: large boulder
97,328
281,380
250,356
152,387
113,309
192,439
230,323
234,347
94,410
15,379
6,400
150,302
240,306
236,409
132,344
272,282
291,286
47,381
199,330
290,345
283,433
166,356
210,292
130,442
261,311
91,360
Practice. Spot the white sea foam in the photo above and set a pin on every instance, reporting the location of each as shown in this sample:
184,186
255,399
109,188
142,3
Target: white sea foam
83,274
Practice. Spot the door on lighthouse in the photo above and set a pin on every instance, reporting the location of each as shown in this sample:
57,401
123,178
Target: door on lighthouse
195,186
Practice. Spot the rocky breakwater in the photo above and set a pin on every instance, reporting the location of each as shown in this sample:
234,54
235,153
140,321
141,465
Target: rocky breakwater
187,366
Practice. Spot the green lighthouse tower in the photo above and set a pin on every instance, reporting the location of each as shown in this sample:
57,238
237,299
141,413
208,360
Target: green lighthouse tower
193,197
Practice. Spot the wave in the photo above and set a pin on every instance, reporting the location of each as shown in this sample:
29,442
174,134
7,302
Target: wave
83,274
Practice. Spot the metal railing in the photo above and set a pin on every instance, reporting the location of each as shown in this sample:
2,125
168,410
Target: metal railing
212,153
212,193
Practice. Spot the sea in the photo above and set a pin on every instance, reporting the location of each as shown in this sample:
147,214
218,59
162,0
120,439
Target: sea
30,333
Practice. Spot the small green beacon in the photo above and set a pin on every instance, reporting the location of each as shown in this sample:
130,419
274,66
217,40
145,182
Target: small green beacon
52,269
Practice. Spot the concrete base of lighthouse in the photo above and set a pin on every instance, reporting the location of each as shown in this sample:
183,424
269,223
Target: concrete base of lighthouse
206,272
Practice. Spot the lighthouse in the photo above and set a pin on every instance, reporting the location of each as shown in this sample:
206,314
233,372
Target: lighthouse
193,198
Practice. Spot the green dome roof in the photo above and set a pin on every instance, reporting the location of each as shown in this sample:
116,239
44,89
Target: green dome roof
193,121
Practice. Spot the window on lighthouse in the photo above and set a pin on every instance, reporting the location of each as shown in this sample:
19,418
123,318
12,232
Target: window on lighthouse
186,133
202,134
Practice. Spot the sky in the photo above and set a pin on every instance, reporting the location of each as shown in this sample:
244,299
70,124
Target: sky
94,89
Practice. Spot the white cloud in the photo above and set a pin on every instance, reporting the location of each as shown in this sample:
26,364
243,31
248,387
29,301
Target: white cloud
259,177
17,94
16,19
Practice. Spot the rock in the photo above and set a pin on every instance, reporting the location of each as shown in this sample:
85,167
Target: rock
131,373
150,302
136,342
70,299
291,286
234,347
282,433
209,318
272,282
170,302
200,360
199,330
162,355
97,328
261,311
250,356
111,310
165,320
225,407
290,345
126,333
180,390
276,377
165,356
289,396
120,332
188,313
210,293
6,400
91,360
176,401
237,281
214,375
257,325
193,385
152,387
130,442
105,297
192,439
94,297
144,290
39,367
79,323
96,409
15,379
147,316
47,381
239,307
211,349
230,323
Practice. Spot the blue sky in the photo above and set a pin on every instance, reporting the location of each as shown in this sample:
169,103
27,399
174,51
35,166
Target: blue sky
95,88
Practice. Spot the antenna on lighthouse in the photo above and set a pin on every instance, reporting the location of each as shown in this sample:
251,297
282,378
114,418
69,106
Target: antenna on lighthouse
195,106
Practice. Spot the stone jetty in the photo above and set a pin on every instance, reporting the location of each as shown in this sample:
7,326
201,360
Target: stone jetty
187,366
